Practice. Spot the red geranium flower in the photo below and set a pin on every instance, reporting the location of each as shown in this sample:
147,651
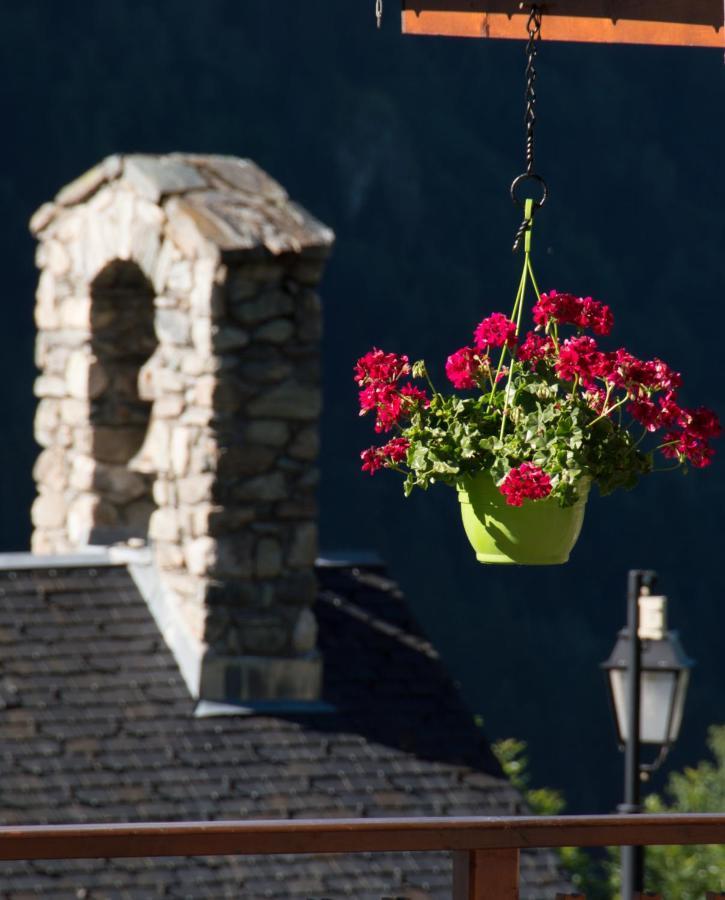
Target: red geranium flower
527,482
495,331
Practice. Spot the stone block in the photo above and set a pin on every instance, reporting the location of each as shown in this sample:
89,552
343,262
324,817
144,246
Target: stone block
85,376
268,431
172,326
278,331
196,364
169,406
89,182
47,419
265,371
227,337
234,556
75,412
56,258
306,444
87,512
250,307
204,453
243,175
183,231
204,389
82,471
301,506
181,440
42,217
240,678
50,386
168,555
51,470
49,510
200,555
268,558
164,525
153,177
247,459
154,455
289,400
195,489
304,633
303,547
180,279
297,589
263,487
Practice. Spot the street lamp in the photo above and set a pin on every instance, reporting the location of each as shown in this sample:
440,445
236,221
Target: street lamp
648,674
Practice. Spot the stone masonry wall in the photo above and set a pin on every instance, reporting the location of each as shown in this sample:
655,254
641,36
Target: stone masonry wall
179,399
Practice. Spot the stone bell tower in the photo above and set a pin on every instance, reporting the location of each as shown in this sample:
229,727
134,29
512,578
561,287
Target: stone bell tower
179,396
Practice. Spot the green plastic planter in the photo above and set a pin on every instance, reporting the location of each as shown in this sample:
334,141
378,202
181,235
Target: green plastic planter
539,533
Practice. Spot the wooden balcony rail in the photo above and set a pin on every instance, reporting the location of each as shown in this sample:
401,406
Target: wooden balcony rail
485,850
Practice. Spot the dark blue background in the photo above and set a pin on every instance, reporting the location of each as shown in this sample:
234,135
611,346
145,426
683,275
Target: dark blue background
406,147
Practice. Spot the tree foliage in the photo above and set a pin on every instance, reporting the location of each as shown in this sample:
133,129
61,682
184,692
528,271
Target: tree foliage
688,872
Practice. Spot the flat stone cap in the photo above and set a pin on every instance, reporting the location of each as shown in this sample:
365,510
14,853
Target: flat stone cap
231,202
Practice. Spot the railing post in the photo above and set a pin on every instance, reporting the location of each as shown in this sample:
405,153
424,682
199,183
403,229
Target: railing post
486,875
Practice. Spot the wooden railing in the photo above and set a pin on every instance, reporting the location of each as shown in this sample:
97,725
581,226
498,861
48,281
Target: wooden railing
485,850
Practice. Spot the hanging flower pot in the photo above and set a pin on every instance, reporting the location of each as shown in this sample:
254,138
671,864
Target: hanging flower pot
538,533
535,420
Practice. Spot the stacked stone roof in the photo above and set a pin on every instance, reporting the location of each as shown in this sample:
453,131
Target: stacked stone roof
229,202
96,725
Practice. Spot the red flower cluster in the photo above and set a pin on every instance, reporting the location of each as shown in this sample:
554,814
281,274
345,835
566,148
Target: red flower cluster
527,482
375,458
494,331
378,374
380,367
465,367
579,358
690,441
606,380
534,348
566,309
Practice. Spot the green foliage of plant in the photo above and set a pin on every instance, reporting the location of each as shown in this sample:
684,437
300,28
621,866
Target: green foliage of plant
550,414
585,872
687,872
536,418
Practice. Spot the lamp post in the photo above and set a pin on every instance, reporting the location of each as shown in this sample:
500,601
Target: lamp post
648,674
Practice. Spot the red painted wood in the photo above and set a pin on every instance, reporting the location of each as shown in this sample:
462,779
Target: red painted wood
693,23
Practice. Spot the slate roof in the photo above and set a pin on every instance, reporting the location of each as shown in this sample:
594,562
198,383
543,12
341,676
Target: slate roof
231,202
96,725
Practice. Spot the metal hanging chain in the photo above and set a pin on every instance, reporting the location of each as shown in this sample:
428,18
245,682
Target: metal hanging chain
534,31
379,12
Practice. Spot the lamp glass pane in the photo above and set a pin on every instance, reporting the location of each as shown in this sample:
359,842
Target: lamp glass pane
657,695
617,686
680,693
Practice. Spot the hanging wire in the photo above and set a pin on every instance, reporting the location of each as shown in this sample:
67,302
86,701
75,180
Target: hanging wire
379,12
534,30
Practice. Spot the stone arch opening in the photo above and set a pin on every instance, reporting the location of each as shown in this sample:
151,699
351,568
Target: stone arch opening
123,339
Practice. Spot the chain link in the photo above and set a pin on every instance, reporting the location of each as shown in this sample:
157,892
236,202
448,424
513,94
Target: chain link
533,28
379,12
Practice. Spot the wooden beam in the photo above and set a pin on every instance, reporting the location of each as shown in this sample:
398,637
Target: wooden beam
354,835
692,23
486,875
